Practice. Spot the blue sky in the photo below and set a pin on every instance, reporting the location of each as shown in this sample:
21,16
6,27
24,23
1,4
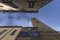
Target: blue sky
49,14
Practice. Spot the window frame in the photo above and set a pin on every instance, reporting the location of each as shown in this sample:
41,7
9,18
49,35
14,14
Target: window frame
3,32
29,34
13,32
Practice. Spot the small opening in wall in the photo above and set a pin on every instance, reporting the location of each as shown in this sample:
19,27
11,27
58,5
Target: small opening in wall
37,22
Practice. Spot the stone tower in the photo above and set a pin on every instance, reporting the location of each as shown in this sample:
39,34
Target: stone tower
46,33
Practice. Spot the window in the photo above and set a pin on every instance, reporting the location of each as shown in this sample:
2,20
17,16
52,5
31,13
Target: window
31,4
10,3
2,32
13,32
24,33
32,33
37,22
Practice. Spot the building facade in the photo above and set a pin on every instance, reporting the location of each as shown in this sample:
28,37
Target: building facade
39,31
22,5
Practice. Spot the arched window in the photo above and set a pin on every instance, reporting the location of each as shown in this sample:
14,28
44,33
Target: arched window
32,33
24,33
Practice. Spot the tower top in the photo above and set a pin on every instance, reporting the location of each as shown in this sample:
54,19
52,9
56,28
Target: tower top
22,5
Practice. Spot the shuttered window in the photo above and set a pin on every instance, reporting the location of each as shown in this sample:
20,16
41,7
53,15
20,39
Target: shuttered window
13,32
2,32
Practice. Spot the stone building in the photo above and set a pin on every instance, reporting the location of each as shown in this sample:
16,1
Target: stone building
39,31
22,5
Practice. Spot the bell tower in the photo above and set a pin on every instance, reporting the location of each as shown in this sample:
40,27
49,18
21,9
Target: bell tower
46,32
